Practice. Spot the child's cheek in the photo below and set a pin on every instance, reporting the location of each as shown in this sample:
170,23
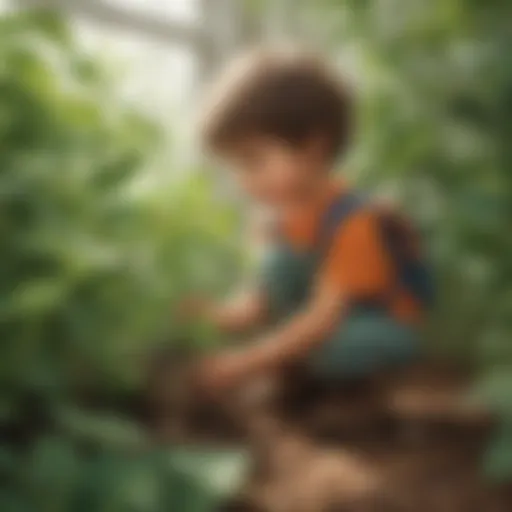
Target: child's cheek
261,187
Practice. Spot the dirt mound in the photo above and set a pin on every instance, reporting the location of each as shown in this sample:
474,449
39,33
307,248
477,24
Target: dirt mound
408,442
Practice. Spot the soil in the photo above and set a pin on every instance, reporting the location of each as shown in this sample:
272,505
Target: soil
407,442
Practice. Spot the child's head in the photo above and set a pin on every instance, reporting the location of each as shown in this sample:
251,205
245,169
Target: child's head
280,119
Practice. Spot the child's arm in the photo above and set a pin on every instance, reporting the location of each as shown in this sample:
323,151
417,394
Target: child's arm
242,312
290,342
303,331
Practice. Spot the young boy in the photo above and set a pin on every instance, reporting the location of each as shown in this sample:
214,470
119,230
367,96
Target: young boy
330,288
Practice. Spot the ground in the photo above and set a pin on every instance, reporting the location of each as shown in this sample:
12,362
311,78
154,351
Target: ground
400,443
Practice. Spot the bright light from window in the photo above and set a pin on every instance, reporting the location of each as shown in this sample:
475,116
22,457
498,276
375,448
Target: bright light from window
186,10
157,76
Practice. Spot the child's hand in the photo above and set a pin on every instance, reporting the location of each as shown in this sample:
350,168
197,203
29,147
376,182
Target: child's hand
223,372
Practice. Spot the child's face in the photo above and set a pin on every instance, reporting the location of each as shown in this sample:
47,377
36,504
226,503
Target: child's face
275,173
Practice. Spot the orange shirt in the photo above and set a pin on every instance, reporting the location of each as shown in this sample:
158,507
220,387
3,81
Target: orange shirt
357,261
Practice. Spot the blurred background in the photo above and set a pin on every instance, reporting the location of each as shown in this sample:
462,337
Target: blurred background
109,213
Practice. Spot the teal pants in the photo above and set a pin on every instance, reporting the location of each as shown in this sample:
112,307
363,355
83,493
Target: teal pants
368,340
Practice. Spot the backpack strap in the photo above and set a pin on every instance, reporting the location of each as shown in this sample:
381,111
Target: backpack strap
343,207
402,244
340,209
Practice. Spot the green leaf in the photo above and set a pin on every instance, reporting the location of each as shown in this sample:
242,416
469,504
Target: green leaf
108,430
219,472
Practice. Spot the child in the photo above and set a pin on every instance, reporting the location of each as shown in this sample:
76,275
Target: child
332,288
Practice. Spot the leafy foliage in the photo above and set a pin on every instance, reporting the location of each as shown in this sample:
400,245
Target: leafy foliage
91,264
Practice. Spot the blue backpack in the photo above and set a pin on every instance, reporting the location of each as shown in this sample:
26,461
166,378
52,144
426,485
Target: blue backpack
400,239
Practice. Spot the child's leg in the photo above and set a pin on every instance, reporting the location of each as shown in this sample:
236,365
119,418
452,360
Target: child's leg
364,344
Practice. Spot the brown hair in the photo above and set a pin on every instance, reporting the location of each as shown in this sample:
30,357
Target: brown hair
288,95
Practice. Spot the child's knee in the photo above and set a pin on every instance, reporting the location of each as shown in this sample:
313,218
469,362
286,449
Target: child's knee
341,358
